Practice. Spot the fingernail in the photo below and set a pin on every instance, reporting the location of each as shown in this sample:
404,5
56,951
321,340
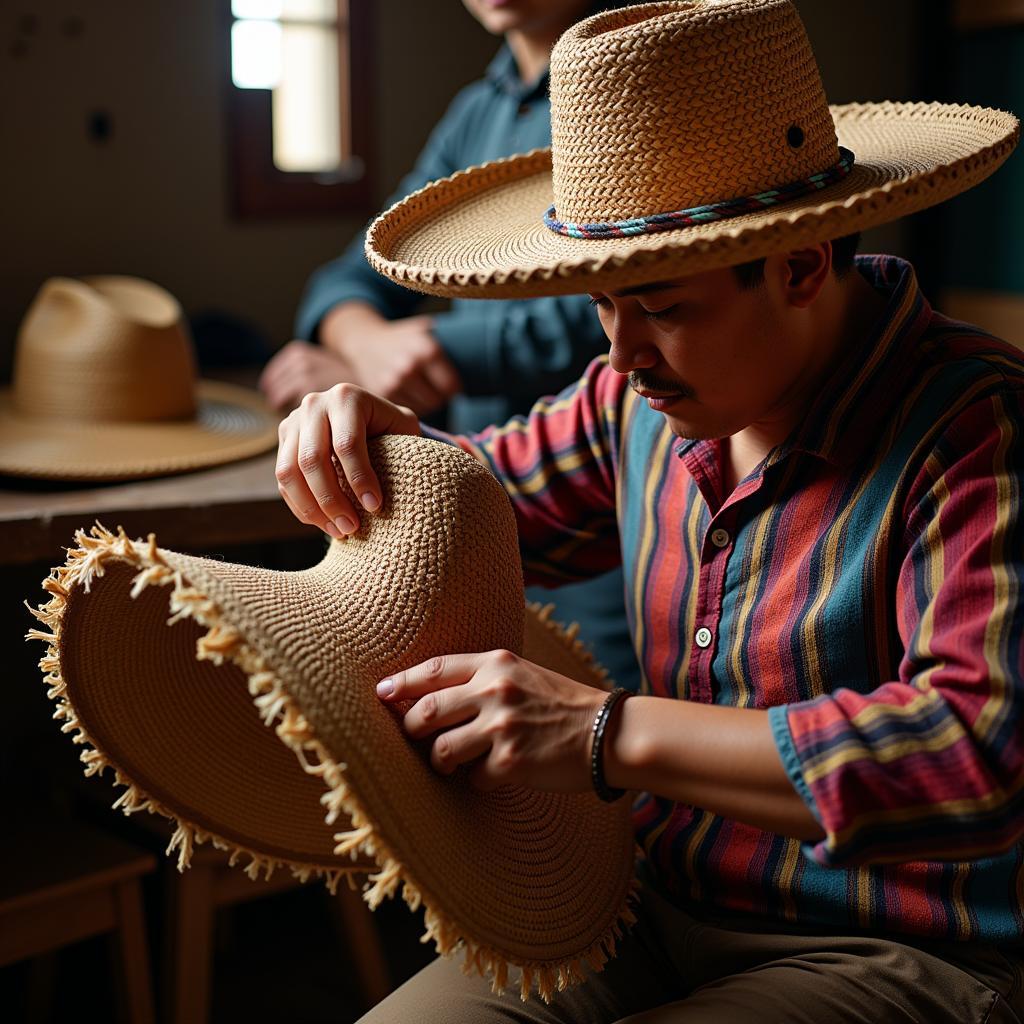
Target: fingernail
345,524
370,502
385,688
332,531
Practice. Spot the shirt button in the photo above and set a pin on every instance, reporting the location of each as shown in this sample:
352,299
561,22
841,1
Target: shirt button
703,637
720,538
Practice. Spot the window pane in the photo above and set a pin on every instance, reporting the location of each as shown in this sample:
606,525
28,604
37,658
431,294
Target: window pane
310,10
256,8
256,54
306,105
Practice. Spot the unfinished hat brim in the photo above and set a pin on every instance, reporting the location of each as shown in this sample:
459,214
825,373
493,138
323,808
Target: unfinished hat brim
230,423
240,702
480,233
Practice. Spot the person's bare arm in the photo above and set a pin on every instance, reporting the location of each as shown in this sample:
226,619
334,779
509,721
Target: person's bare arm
523,724
722,759
400,360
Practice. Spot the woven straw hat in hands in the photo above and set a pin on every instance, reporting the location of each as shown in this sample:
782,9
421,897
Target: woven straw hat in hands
240,702
105,389
685,137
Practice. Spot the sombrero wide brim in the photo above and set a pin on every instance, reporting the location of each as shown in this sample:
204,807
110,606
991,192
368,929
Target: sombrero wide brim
249,719
480,232
231,423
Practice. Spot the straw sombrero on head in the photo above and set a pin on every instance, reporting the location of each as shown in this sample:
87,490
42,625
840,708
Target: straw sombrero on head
685,137
240,702
105,389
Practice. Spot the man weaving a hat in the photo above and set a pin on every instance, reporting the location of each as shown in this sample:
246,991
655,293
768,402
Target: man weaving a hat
812,480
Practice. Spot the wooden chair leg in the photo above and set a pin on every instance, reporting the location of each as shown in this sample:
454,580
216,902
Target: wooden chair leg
134,952
42,980
191,947
354,919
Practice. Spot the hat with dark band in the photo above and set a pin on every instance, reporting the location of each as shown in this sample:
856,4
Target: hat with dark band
105,388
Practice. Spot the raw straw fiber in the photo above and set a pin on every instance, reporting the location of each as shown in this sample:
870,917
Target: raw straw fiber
658,113
240,703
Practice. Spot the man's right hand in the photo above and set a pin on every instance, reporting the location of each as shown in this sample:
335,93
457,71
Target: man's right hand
326,436
400,360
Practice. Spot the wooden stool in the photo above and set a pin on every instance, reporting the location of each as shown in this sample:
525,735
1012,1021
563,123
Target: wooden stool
193,897
63,881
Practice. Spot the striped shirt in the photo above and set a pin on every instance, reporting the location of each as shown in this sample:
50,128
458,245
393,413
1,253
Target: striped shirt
863,583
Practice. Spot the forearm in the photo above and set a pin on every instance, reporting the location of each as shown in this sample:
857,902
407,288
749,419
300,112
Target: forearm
346,320
721,759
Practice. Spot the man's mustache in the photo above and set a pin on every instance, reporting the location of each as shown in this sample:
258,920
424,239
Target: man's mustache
640,380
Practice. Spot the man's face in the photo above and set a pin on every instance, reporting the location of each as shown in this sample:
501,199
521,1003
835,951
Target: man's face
501,16
712,357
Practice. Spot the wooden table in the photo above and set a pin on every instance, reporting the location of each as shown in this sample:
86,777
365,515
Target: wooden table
233,504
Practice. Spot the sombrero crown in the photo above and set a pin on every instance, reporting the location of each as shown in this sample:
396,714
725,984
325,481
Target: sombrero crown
180,714
685,136
669,107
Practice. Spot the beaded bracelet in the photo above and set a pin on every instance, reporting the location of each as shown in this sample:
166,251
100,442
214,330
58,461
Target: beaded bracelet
601,788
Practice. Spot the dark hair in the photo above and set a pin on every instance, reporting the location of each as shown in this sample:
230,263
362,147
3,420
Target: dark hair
751,275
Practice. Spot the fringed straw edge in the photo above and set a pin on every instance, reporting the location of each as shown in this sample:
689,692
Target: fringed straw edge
223,643
569,636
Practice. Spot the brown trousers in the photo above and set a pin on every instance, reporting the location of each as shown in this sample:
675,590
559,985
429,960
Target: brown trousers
674,969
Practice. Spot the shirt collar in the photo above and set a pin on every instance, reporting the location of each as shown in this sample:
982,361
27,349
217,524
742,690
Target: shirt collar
867,383
503,74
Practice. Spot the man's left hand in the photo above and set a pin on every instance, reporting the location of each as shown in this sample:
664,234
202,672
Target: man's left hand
522,724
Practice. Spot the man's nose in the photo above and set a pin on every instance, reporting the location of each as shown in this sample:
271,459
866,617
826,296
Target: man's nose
630,349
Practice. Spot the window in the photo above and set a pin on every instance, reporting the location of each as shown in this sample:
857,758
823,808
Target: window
298,107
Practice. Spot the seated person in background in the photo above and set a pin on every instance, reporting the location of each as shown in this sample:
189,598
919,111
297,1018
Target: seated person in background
482,360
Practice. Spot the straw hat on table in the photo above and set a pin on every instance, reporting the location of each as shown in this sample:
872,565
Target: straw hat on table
105,388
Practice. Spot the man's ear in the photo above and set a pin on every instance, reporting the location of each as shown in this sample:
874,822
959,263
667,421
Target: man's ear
802,273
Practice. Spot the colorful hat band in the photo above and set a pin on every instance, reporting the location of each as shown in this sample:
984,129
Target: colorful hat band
704,214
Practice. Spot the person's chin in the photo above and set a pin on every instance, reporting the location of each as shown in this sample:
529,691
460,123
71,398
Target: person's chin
688,428
500,19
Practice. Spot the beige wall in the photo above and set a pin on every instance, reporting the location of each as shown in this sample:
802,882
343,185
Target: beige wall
152,201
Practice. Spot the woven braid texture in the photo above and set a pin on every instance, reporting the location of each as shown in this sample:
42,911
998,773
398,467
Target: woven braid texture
668,107
711,90
239,702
